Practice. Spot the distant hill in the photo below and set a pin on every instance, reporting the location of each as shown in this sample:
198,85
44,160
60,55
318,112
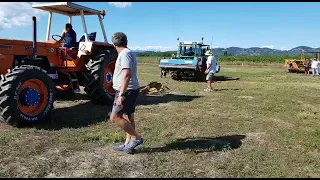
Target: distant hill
254,51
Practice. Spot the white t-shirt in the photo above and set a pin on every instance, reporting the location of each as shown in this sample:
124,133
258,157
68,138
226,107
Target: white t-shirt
126,59
213,61
315,64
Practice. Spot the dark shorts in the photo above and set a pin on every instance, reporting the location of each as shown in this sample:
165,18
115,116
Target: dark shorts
129,103
210,77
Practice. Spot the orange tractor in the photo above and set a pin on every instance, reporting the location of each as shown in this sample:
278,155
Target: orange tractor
297,65
34,73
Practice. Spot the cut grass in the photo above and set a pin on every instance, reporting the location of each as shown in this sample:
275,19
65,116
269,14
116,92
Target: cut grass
261,125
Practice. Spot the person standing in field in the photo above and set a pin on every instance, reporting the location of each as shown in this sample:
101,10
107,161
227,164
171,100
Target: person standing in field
211,69
315,66
307,65
126,85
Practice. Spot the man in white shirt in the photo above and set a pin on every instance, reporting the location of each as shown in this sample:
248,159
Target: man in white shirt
126,84
314,67
211,69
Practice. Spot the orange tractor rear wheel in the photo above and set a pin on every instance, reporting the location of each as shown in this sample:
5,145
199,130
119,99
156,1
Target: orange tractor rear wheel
27,95
98,79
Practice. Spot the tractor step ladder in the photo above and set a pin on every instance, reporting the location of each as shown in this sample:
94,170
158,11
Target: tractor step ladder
75,82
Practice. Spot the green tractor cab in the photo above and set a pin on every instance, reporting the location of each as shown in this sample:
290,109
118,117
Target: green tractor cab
189,62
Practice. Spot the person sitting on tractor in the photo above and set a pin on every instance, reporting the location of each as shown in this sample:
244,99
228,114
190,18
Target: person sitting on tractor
68,37
189,52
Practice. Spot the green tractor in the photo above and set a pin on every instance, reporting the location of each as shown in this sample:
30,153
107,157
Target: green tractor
188,63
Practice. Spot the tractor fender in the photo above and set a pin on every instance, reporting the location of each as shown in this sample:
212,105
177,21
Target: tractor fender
85,48
6,62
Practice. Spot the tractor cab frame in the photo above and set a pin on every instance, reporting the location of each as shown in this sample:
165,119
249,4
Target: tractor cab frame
197,49
71,10
189,61
34,73
303,53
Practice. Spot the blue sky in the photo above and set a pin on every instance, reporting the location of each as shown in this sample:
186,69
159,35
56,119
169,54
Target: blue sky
156,25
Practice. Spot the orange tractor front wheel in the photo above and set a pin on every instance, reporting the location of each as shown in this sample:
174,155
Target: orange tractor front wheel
26,95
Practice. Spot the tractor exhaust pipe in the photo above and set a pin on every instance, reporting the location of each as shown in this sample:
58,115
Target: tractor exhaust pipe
34,53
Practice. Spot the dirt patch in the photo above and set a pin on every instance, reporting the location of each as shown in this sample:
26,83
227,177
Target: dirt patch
86,163
315,153
245,97
258,137
283,123
314,175
4,127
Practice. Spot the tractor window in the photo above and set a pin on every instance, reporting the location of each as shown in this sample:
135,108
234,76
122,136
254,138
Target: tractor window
198,50
204,49
187,50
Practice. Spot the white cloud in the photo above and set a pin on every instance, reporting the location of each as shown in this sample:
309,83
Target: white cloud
17,14
270,47
121,4
284,49
153,48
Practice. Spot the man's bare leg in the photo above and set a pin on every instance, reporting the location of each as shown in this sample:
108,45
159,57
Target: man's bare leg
210,85
124,125
129,118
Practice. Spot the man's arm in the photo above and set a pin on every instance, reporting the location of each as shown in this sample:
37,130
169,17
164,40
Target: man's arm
126,72
62,35
126,75
208,65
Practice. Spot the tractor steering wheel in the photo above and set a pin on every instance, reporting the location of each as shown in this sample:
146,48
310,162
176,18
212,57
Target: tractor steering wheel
63,40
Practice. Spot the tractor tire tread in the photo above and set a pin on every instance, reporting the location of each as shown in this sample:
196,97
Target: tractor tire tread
7,88
93,77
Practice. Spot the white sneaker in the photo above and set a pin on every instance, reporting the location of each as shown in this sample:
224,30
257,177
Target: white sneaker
207,89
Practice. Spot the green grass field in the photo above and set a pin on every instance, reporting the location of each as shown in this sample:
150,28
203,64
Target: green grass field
235,59
265,124
275,62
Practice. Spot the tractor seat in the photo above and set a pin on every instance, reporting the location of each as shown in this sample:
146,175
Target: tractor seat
91,37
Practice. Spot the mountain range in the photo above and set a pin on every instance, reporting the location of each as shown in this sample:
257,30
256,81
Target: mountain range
254,51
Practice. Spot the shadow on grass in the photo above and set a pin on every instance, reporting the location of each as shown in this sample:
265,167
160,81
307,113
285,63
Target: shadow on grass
86,114
199,144
154,100
215,78
74,97
236,89
224,78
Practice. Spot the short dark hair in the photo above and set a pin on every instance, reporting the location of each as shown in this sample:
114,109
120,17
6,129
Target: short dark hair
68,25
119,39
